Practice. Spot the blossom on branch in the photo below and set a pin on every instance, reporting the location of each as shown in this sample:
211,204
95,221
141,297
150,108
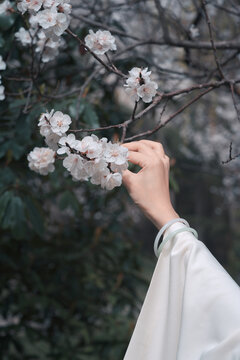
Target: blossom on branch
2,64
48,20
2,88
60,123
29,5
41,160
139,85
74,163
25,37
100,42
67,143
4,6
91,158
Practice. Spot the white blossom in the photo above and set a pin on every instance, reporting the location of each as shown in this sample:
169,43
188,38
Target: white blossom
25,37
112,181
4,6
53,21
65,6
139,85
75,165
52,141
138,75
32,5
132,93
67,143
119,168
2,64
90,147
96,167
115,154
60,123
2,95
44,123
41,160
100,42
99,177
147,91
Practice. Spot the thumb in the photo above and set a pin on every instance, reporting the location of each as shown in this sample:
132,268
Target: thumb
127,177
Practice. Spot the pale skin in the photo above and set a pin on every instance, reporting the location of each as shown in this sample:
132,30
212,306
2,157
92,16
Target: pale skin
149,188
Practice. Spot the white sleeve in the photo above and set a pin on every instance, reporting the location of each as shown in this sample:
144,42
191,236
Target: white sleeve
192,307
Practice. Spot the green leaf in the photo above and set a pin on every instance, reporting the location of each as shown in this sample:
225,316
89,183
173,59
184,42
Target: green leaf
90,116
14,217
4,201
6,21
68,199
34,215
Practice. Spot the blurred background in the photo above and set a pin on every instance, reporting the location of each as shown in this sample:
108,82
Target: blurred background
76,260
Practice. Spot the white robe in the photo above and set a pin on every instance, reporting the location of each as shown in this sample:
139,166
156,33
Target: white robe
192,307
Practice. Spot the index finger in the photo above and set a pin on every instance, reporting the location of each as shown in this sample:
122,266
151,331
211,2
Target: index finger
137,158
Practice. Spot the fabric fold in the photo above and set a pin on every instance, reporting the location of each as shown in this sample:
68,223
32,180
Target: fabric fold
191,309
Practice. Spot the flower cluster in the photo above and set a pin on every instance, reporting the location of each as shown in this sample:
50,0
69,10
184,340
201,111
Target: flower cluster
5,6
48,21
91,158
139,85
41,160
100,42
2,67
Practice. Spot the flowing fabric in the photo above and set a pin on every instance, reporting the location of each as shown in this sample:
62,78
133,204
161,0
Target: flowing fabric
192,307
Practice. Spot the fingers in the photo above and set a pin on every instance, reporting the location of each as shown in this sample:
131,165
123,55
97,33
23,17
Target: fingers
154,145
127,177
146,147
138,146
138,158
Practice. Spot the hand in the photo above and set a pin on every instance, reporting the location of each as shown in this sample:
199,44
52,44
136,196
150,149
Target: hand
149,188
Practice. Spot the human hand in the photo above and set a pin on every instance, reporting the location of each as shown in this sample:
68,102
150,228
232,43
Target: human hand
149,188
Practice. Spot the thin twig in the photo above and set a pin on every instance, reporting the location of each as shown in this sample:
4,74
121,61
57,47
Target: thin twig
230,157
158,127
211,39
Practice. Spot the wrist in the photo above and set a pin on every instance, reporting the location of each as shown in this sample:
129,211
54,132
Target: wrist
160,216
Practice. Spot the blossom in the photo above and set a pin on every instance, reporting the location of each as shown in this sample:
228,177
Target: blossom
52,141
65,7
48,47
138,76
119,168
75,165
32,5
60,123
147,91
111,181
67,143
2,64
96,167
4,6
25,37
90,147
100,42
115,154
99,177
2,95
44,123
61,5
53,21
41,160
132,93
139,85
